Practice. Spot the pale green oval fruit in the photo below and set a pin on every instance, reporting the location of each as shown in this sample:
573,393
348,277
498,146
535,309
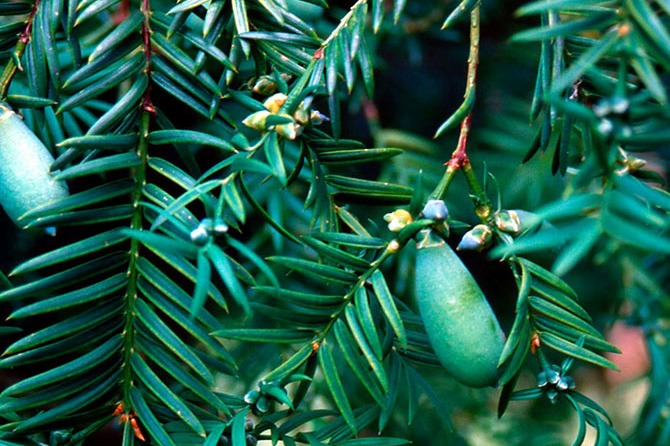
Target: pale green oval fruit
461,325
25,180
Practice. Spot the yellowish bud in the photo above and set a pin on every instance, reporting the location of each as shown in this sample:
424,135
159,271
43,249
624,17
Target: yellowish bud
256,120
398,219
274,102
290,130
302,114
265,86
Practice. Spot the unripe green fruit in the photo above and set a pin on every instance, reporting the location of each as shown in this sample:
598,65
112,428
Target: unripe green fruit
461,326
25,180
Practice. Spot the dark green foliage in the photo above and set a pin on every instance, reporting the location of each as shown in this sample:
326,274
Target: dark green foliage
222,270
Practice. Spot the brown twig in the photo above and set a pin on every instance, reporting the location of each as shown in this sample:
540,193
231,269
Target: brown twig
460,156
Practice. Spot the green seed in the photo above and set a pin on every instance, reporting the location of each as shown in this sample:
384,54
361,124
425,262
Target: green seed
460,324
25,180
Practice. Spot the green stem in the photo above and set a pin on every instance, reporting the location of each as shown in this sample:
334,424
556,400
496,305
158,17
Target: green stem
391,248
442,187
15,61
483,207
140,175
343,23
147,104
473,57
136,224
542,359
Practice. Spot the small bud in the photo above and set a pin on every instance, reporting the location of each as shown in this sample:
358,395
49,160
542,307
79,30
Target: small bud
207,224
625,131
619,104
274,102
535,343
256,120
393,246
263,404
398,219
248,425
251,440
508,221
219,227
317,118
118,410
476,239
603,107
290,130
605,127
252,396
435,210
136,429
301,115
200,236
265,85
553,376
554,382
60,437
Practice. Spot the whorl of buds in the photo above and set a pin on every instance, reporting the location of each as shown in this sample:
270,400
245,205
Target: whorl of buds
629,163
614,105
553,382
207,229
289,130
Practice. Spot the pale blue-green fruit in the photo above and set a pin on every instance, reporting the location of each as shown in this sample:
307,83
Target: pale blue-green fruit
460,324
25,180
